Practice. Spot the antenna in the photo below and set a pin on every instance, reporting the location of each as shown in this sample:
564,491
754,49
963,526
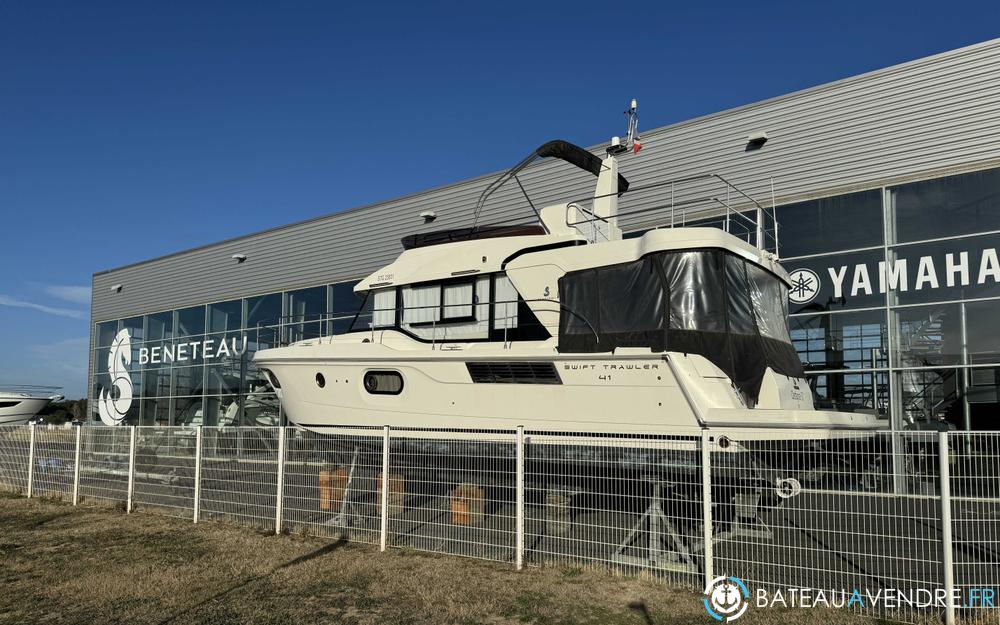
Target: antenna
632,141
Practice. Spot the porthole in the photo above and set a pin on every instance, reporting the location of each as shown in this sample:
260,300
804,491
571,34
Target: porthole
383,382
320,380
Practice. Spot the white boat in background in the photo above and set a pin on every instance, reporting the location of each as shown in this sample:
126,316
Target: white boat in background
18,404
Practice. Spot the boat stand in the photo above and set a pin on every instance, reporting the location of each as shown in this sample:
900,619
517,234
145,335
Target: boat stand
746,520
659,528
345,515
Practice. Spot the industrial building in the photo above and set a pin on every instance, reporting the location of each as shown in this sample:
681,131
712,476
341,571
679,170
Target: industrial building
886,194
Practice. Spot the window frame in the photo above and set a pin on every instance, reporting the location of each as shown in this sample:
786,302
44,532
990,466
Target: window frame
390,372
443,317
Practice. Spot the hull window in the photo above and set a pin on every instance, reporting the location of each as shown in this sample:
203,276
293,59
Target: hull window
383,383
513,372
8,404
320,380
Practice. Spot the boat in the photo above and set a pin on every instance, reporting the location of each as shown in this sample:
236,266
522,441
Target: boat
18,404
618,354
565,325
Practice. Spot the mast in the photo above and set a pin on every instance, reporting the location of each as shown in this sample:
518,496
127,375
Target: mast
606,193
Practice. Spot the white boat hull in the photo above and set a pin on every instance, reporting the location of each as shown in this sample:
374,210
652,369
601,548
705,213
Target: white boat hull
628,393
22,411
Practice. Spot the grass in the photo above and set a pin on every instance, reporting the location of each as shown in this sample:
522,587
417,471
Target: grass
60,564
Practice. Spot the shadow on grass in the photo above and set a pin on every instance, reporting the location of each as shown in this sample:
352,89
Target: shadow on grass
322,551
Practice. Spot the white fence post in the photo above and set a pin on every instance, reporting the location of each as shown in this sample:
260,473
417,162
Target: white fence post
131,470
384,528
279,499
706,505
197,474
76,465
948,562
31,460
519,514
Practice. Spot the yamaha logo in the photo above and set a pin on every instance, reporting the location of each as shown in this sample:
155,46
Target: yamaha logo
978,268
805,286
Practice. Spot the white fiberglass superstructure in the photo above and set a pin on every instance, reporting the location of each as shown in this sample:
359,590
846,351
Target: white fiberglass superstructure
565,325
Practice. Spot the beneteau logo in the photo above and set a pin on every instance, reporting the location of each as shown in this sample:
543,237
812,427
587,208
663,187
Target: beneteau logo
115,402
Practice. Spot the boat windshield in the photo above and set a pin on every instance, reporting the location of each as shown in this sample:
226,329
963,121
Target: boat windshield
708,302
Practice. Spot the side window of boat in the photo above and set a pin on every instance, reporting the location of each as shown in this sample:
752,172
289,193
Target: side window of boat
513,318
456,310
383,382
384,309
505,298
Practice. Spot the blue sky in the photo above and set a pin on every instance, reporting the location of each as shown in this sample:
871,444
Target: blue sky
130,130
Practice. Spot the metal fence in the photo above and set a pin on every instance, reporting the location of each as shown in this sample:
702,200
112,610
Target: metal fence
914,516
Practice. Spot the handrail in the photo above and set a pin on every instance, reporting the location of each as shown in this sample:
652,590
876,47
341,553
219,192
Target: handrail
709,198
286,322
562,150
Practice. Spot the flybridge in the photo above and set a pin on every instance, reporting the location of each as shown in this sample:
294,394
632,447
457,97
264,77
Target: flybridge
925,272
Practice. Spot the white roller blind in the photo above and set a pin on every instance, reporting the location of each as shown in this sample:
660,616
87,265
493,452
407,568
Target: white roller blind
421,304
384,313
458,300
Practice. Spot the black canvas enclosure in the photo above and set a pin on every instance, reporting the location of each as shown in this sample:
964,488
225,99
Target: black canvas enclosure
706,302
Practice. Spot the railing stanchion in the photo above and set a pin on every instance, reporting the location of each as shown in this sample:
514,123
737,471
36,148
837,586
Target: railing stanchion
279,498
131,470
31,460
197,473
76,464
384,514
706,505
519,515
947,560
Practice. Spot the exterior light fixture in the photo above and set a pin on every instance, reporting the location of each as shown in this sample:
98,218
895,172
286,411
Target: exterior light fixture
239,258
428,216
756,140
117,288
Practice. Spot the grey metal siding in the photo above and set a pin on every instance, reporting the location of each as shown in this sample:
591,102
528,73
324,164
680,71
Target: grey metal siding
915,120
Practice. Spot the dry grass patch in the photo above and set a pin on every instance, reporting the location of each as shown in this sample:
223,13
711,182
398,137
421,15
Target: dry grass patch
60,564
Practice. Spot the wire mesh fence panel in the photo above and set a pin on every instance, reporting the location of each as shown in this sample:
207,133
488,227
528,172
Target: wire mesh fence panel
55,456
822,510
453,492
333,483
164,470
975,513
623,502
239,475
15,441
829,511
104,464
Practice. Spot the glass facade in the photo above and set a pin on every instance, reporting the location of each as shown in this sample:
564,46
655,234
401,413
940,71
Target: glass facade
194,366
895,299
894,305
